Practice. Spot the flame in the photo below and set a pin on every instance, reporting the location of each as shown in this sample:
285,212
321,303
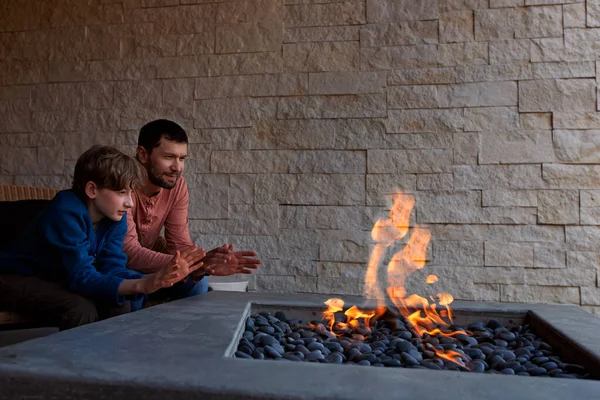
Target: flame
423,316
333,305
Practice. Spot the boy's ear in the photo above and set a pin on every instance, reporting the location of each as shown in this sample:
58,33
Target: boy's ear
91,190
142,154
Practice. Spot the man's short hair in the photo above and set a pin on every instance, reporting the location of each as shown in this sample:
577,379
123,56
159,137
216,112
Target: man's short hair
108,168
153,132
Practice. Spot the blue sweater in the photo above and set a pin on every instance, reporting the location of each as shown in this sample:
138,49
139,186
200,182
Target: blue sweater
60,244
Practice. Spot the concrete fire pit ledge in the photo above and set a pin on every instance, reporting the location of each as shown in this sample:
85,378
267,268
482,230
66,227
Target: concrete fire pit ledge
181,350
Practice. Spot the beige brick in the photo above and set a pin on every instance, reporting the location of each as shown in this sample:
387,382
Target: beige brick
554,70
496,24
249,37
549,256
491,118
321,34
194,44
593,13
458,5
576,120
409,161
572,176
402,121
336,285
507,51
354,106
380,58
398,34
178,92
249,11
560,277
421,76
401,10
540,22
435,182
275,284
222,113
466,148
318,57
459,253
145,93
420,96
590,216
535,121
327,14
508,254
577,146
540,294
521,147
380,186
336,83
486,94
509,198
583,259
506,3
558,207
182,67
498,177
344,246
466,53
574,15
558,95
149,46
246,64
456,26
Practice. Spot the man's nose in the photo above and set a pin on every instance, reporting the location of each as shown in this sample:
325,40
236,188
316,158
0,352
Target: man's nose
177,166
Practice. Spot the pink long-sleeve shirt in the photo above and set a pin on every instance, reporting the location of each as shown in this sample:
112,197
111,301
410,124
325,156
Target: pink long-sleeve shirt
169,208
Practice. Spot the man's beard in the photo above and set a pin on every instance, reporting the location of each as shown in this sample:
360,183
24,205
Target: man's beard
156,178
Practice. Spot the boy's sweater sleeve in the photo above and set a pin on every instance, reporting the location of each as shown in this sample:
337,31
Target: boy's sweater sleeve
112,260
66,231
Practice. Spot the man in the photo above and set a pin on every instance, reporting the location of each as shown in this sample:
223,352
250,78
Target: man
162,201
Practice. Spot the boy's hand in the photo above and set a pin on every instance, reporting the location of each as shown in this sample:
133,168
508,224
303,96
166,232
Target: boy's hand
180,266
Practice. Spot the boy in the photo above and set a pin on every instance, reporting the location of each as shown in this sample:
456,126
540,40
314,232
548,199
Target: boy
67,266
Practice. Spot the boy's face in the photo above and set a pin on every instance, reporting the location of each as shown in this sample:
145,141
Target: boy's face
113,203
166,162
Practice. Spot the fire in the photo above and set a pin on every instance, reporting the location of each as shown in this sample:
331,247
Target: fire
353,314
423,316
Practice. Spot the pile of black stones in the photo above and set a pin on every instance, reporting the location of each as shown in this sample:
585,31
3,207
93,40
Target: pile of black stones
392,341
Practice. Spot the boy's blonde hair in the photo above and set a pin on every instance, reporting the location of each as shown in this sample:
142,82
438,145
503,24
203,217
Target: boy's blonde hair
108,168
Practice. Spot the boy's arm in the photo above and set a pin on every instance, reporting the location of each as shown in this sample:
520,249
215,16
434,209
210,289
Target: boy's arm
140,258
112,260
66,231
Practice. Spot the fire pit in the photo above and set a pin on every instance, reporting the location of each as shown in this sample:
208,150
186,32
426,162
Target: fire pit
414,333
185,349
507,344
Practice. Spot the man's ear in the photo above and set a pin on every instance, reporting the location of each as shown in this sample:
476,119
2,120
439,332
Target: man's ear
91,190
142,154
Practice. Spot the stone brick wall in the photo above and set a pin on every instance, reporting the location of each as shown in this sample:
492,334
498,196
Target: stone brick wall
304,114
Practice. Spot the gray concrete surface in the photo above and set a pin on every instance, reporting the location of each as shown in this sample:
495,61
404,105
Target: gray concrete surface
177,350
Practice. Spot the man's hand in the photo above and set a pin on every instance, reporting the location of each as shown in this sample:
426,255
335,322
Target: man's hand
223,261
181,266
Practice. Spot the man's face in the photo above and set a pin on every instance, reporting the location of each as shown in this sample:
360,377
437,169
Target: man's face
166,162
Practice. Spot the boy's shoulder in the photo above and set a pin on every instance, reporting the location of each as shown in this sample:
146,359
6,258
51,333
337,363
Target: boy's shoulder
67,200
